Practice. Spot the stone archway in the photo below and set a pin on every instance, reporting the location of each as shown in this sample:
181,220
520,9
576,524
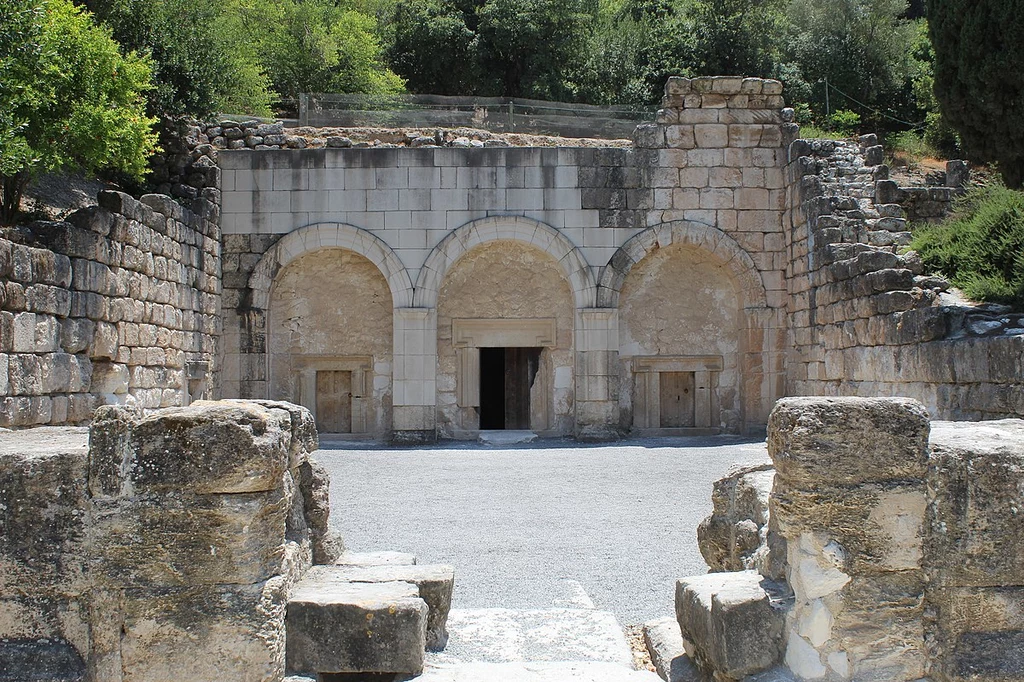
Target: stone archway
330,235
505,342
321,318
506,228
692,309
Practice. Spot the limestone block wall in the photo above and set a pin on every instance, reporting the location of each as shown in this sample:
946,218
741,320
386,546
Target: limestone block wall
157,546
864,319
118,303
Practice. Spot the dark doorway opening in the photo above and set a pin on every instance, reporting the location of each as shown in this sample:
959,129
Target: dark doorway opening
506,377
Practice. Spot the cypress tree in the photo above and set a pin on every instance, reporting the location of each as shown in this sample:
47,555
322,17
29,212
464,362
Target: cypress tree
979,78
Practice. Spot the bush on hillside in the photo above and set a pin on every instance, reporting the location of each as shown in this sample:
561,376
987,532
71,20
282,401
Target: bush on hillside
980,248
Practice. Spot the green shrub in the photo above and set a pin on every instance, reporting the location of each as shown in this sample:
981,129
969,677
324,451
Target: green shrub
908,148
843,121
980,248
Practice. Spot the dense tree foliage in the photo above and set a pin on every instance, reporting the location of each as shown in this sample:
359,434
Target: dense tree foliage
318,46
979,77
68,97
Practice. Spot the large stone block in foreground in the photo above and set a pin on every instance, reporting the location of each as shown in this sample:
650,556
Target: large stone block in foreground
355,627
731,622
434,581
847,441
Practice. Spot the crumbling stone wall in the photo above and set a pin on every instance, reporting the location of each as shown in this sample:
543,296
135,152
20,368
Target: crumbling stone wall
899,540
119,302
164,548
864,318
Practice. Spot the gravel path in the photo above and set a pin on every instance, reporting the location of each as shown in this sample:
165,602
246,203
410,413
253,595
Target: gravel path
551,524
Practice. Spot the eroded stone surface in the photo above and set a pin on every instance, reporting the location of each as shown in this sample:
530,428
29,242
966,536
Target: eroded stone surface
434,582
731,622
338,627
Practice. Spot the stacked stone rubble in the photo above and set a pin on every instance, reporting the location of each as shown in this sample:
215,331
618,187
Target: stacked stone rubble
864,318
118,302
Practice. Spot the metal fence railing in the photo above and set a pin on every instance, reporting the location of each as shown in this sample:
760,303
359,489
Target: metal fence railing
495,114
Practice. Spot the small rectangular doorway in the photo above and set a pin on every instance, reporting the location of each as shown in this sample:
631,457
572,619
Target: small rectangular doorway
334,401
677,399
506,376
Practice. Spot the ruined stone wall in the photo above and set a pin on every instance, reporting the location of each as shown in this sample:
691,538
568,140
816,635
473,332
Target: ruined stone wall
119,302
157,547
864,317
889,548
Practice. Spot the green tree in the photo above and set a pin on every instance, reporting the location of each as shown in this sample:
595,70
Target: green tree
530,46
736,37
320,46
68,98
199,63
862,48
433,48
979,78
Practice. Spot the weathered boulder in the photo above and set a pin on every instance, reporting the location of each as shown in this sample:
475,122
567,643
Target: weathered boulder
737,526
850,499
733,621
667,650
847,441
355,627
974,553
43,560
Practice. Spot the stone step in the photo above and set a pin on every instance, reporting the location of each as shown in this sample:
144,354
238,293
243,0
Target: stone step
340,627
733,622
536,671
536,635
665,644
376,559
434,581
506,437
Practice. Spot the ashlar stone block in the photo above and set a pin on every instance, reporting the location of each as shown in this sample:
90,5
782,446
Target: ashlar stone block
355,628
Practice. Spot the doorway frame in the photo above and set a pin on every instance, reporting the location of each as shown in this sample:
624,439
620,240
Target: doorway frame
361,366
647,371
469,335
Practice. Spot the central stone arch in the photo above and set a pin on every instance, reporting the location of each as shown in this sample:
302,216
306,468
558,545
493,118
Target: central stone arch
507,228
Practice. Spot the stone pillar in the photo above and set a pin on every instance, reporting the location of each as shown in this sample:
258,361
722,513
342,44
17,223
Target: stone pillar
415,369
597,360
202,519
850,500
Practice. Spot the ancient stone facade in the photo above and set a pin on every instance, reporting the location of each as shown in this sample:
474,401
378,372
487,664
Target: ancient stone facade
678,286
533,251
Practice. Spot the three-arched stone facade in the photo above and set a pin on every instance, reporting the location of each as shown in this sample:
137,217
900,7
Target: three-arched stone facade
669,336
